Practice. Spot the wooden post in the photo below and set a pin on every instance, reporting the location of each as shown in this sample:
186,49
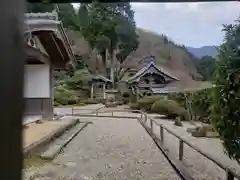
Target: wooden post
42,108
96,112
141,114
92,90
12,77
180,150
150,81
112,113
229,175
161,134
151,125
145,118
72,111
104,88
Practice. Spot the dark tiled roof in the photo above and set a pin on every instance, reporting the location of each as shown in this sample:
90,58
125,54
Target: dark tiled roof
145,68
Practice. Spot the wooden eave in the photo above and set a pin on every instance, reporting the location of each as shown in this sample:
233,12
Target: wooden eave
53,38
35,56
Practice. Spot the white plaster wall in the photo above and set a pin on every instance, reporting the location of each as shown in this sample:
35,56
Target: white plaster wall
37,81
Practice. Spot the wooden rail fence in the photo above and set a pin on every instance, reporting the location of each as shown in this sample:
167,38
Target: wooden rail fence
230,174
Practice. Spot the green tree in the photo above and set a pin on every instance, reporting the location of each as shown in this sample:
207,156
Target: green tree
206,66
109,27
68,15
79,80
226,95
39,7
66,12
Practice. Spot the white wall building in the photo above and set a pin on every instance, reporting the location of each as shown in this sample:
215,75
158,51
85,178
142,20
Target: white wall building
47,48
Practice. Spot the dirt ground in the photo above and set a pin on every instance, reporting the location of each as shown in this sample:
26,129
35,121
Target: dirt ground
35,132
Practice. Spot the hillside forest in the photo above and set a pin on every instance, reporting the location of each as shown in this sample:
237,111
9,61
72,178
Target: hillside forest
105,40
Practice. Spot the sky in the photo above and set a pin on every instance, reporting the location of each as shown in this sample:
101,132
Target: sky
190,24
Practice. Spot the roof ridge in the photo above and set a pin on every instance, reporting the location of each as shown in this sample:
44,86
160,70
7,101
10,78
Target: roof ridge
42,16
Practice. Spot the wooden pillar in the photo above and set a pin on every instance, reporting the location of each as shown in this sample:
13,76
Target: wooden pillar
12,72
49,103
92,90
150,81
104,88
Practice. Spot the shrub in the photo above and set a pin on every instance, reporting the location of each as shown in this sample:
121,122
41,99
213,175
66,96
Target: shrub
126,95
178,97
133,98
63,96
184,116
147,102
169,108
120,103
72,101
91,101
125,100
134,106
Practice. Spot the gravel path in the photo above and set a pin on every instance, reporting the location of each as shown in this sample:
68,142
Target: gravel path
108,149
201,167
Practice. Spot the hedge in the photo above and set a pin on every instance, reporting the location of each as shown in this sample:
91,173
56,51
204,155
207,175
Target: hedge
145,103
171,109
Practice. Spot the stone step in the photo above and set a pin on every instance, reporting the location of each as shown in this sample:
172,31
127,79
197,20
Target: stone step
56,147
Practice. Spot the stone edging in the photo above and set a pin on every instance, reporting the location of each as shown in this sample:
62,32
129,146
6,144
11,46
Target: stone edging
52,155
48,138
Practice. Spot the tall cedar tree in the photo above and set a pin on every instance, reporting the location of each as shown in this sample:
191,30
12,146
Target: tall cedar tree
109,27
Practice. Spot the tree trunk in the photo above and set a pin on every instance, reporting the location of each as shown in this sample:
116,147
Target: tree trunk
103,54
112,73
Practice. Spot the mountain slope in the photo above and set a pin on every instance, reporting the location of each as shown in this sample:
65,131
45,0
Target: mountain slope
175,59
203,51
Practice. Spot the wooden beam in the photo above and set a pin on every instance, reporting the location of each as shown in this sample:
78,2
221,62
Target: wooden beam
56,57
56,44
145,1
36,54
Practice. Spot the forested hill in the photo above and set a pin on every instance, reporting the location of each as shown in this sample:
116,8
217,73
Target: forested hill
174,58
